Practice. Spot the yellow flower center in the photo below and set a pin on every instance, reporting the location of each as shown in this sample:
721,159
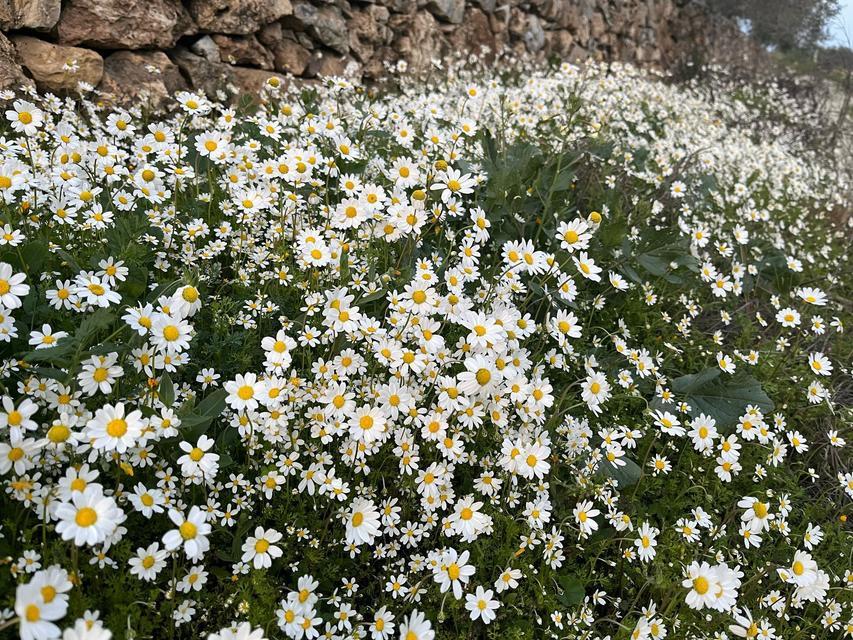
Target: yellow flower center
117,428
86,517
701,585
188,530
483,376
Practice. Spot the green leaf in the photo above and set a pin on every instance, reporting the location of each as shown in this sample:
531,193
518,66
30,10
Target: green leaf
376,295
197,420
344,266
50,372
34,255
625,475
213,404
725,400
98,321
167,390
573,591
58,355
67,257
136,283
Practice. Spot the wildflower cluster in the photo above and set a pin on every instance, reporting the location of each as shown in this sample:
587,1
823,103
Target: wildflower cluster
560,355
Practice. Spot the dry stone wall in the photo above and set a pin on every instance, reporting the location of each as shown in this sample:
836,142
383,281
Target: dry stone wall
143,50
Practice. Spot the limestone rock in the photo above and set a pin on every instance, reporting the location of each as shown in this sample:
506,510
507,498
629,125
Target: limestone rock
58,68
559,42
325,64
325,24
291,57
451,11
240,17
418,38
148,78
243,50
203,75
401,6
486,5
368,29
250,81
11,74
474,34
534,35
206,48
123,24
29,14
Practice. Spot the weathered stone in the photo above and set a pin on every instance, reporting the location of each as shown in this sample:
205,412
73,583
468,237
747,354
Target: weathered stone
11,74
123,24
243,50
418,38
401,6
486,5
240,17
311,37
29,14
206,48
7,15
58,68
474,34
534,35
597,26
451,11
270,34
250,81
366,32
326,65
325,24
148,78
559,42
291,57
517,23
578,54
203,75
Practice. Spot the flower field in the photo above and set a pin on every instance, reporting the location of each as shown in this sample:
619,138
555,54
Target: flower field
557,354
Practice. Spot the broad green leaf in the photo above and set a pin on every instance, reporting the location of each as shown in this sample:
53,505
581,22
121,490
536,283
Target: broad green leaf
724,399
626,475
167,390
199,418
58,355
34,255
92,324
573,591
376,295
213,404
